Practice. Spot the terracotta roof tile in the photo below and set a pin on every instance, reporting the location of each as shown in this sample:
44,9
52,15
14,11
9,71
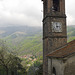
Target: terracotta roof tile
66,50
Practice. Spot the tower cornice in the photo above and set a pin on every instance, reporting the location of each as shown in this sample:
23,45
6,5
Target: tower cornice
54,37
54,16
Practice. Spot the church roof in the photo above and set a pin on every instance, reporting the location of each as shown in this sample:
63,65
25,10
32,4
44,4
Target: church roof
64,51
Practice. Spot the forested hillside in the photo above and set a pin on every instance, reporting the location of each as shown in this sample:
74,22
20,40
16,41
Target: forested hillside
23,40
71,33
27,40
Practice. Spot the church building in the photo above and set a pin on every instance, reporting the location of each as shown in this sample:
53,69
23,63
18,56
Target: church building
62,61
58,55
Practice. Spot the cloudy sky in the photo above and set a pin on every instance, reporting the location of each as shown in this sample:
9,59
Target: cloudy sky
29,12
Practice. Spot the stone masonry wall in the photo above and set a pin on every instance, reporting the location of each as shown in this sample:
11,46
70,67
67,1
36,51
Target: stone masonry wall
70,66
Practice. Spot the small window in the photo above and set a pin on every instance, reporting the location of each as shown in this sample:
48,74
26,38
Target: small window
54,71
56,5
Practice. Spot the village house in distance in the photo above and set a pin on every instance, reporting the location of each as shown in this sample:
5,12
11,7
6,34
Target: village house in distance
58,55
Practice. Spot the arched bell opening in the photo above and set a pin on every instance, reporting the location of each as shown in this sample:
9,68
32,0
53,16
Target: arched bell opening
56,5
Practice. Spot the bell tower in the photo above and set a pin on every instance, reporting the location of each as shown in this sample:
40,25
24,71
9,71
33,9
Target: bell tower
54,28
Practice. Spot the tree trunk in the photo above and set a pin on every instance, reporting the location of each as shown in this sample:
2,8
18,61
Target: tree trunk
12,73
6,71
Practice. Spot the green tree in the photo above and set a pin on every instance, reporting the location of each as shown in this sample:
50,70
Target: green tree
9,61
40,70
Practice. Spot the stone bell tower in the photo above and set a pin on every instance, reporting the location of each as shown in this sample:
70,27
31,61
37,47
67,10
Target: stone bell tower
54,28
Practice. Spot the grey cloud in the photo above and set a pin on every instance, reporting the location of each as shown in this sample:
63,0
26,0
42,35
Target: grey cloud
20,12
28,12
70,10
